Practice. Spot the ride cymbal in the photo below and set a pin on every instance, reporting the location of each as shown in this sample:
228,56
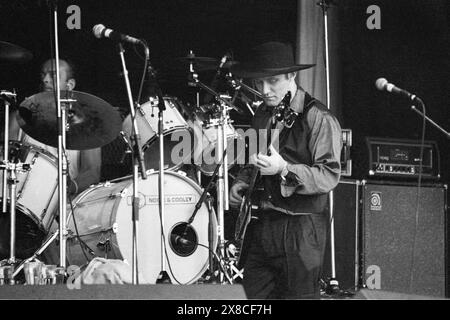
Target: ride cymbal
91,121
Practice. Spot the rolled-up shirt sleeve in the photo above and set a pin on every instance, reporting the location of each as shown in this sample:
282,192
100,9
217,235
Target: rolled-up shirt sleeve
325,145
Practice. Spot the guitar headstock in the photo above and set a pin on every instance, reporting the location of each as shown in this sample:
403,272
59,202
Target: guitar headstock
283,113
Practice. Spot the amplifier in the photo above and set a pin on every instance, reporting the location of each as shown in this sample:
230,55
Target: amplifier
346,161
401,158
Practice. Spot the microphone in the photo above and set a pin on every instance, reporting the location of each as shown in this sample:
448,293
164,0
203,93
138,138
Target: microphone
100,31
382,84
179,240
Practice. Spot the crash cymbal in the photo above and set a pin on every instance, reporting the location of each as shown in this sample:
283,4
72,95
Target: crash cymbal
91,121
13,53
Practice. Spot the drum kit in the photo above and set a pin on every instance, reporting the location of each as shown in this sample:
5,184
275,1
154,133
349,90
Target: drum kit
186,234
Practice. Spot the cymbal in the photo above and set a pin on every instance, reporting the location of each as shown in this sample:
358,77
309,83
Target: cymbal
195,59
91,121
13,53
204,63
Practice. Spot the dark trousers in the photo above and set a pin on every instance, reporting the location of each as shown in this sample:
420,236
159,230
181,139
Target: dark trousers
285,256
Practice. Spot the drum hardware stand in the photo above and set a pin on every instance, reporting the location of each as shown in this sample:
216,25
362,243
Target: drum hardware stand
10,170
238,84
138,164
198,205
38,252
222,185
8,98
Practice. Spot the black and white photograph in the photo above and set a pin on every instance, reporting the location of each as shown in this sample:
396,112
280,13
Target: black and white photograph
224,155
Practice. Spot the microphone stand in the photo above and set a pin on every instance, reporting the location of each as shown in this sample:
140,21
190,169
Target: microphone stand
138,165
333,285
62,161
446,133
163,276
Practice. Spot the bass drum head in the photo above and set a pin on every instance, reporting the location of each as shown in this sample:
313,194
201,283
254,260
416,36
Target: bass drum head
184,261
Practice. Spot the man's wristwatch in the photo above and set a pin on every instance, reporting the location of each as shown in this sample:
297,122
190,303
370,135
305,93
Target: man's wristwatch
284,173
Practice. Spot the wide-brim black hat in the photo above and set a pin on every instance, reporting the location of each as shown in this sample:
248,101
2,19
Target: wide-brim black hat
268,59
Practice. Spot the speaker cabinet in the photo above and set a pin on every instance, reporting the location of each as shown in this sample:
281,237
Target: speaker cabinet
404,244
346,229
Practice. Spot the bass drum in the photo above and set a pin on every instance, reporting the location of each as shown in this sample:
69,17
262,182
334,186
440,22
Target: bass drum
103,218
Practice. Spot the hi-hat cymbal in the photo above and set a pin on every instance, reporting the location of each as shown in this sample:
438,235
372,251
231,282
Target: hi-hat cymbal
13,53
91,121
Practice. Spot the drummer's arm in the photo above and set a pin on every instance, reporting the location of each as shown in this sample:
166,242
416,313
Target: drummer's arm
90,170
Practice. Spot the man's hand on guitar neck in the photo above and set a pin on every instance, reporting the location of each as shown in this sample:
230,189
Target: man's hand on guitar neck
236,192
270,165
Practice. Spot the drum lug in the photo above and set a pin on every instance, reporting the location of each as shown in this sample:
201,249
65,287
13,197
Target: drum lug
122,193
115,227
181,172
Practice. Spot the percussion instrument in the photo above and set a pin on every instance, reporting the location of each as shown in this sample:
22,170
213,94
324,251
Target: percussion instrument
103,218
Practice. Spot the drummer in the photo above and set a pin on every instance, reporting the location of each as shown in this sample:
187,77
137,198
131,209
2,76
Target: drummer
84,165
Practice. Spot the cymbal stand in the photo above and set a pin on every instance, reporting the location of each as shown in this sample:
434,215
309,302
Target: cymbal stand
7,98
138,165
221,159
10,169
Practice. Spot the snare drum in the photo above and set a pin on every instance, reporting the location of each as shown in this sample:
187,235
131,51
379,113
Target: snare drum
174,129
36,196
103,216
